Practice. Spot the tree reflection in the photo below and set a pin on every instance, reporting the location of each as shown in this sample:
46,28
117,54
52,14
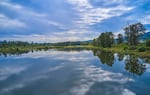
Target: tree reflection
120,56
105,57
133,65
9,53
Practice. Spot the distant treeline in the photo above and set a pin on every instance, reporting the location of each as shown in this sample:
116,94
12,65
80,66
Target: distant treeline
20,47
68,43
6,44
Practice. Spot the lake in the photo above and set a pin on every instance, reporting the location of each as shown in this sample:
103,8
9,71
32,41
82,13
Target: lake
74,72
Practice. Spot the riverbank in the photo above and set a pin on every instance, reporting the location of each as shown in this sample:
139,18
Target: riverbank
116,48
119,48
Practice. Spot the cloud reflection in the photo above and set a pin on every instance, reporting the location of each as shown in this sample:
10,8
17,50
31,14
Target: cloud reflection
8,71
78,71
93,75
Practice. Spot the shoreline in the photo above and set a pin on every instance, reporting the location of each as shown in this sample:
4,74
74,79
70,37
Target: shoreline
115,49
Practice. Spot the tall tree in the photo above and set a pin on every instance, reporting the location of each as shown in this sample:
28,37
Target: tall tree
132,32
120,38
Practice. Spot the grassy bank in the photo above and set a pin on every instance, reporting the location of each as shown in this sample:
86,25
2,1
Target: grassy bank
141,50
118,48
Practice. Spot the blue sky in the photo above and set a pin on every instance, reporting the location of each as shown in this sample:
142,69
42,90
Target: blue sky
68,20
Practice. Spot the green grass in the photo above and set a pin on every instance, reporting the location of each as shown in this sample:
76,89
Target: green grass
118,48
123,48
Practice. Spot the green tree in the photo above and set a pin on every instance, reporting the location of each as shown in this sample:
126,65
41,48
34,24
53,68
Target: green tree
120,38
105,39
95,42
132,32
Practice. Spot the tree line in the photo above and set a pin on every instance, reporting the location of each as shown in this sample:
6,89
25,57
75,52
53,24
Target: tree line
132,33
6,44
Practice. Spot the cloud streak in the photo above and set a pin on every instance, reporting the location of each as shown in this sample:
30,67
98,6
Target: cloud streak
64,20
90,15
6,22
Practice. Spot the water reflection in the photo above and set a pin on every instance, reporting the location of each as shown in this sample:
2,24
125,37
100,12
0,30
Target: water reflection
106,57
20,52
73,72
131,62
133,65
120,56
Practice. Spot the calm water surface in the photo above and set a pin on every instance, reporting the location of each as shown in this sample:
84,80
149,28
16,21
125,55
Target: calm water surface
85,72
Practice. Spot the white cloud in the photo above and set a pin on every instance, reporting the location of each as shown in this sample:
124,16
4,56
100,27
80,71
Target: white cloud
14,6
55,24
6,22
71,35
90,15
27,15
21,9
43,22
146,19
17,86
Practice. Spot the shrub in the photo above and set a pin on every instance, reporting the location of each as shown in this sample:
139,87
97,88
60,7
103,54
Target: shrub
125,48
141,49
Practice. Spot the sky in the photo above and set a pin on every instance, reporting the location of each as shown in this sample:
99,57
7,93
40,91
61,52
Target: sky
68,20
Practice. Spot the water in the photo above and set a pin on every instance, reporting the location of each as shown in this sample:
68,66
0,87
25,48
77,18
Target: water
84,72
